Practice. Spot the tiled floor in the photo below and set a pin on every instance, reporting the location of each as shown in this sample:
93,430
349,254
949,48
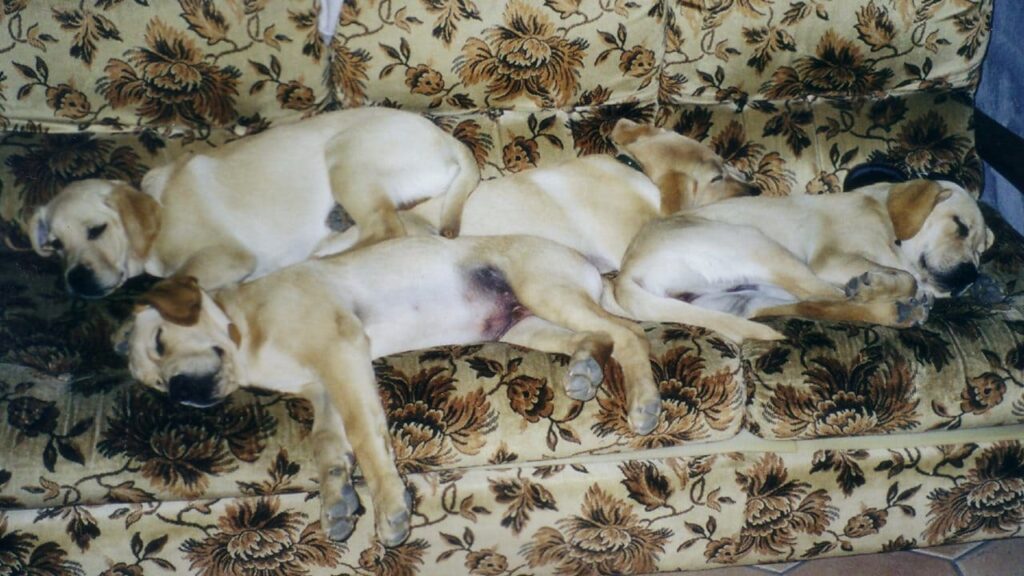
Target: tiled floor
996,558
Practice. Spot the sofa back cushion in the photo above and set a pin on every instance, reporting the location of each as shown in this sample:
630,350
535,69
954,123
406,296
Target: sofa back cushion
186,66
793,92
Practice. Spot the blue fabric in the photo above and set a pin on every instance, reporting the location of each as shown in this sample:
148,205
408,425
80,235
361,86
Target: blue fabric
1000,96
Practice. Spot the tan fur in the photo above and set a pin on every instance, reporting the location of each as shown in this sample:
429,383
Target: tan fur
140,215
259,203
879,254
315,328
177,299
594,204
909,205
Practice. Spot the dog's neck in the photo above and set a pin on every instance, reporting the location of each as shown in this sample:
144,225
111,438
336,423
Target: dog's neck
236,329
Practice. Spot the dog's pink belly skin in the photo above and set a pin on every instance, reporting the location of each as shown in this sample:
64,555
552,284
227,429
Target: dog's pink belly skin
480,307
435,324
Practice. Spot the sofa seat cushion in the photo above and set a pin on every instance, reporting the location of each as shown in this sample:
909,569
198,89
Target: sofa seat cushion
71,413
739,501
964,368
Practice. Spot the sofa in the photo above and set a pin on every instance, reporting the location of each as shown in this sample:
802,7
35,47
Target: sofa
840,439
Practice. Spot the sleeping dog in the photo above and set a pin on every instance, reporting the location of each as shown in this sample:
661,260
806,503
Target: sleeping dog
878,254
257,204
315,327
595,204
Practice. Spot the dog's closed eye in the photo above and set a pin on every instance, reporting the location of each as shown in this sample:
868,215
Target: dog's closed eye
961,229
159,345
95,232
717,178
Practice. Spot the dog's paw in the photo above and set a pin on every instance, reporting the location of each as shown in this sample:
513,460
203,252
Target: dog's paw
644,415
394,526
339,512
584,376
880,284
913,311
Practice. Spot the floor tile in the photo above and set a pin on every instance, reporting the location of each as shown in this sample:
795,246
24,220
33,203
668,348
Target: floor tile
730,571
781,568
892,564
997,558
950,551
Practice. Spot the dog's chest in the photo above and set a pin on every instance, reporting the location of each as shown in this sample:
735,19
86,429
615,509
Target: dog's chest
276,370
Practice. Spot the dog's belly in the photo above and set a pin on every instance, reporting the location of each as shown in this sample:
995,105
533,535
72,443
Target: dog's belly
738,299
462,307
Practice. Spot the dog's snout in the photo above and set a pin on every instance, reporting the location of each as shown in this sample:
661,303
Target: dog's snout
82,281
959,278
193,389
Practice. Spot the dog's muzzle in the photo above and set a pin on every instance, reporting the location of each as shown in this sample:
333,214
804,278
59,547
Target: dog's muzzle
193,389
83,282
957,280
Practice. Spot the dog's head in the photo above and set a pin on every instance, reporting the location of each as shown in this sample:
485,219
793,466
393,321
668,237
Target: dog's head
183,344
101,229
681,167
939,228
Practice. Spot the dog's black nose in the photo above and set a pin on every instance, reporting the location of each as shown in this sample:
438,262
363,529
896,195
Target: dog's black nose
959,278
82,282
752,190
193,389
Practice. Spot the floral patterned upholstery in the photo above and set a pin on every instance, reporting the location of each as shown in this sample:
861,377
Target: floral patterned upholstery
841,439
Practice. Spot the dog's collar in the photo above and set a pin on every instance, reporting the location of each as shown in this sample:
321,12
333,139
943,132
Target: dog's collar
630,161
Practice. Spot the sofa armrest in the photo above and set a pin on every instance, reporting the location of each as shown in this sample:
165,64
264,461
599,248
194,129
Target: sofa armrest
1000,148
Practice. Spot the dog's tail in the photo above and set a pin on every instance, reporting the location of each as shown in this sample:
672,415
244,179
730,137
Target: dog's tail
461,187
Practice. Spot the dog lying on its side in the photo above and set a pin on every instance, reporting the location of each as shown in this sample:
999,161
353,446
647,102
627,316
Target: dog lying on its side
594,204
257,204
878,254
315,327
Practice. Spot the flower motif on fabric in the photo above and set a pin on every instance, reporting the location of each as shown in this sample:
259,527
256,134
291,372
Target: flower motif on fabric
605,538
258,537
169,82
524,57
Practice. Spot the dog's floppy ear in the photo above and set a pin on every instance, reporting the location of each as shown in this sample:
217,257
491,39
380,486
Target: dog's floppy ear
626,131
910,203
178,300
39,231
678,190
140,216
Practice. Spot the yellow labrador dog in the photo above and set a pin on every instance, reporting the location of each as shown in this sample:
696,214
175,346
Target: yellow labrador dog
257,204
878,254
595,204
315,327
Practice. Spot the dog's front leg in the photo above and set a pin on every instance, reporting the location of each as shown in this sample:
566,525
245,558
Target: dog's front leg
216,268
339,504
346,369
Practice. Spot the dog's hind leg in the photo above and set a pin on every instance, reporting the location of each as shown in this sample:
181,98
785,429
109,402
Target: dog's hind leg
339,504
641,304
554,295
461,187
364,197
220,267
588,352
344,364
